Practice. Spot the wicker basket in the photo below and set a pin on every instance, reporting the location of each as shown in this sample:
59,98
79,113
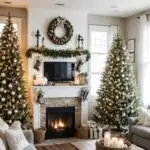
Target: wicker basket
83,133
39,135
100,146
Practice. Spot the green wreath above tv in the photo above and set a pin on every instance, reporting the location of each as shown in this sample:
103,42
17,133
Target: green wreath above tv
64,23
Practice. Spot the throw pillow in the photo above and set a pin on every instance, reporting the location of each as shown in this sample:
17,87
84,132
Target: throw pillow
142,116
2,146
15,137
3,125
147,120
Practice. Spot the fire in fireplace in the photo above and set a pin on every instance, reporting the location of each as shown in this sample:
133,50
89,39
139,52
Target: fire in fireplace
60,122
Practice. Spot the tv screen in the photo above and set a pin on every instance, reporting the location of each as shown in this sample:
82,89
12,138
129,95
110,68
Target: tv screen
59,71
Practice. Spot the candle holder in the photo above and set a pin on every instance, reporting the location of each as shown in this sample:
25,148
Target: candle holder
80,41
100,146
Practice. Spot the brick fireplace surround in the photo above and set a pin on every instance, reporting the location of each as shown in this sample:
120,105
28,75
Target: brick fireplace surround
60,96
61,102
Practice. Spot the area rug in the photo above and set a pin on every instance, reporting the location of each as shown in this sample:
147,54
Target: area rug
64,146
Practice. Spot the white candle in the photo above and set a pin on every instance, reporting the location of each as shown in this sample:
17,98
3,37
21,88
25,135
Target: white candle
114,142
107,139
121,143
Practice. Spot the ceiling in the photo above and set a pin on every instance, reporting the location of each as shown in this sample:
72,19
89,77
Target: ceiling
122,8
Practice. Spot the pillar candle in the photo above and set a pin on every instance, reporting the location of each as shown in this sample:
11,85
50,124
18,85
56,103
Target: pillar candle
107,139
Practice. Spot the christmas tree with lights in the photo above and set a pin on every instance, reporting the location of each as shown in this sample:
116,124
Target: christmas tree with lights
117,96
13,100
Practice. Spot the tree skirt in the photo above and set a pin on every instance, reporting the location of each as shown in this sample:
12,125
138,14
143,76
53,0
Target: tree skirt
64,146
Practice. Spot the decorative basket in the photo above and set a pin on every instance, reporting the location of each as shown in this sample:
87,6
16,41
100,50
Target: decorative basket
100,146
83,133
39,135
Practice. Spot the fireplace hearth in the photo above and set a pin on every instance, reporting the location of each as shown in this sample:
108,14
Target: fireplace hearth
60,122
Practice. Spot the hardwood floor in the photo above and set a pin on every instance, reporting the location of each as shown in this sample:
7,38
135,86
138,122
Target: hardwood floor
82,144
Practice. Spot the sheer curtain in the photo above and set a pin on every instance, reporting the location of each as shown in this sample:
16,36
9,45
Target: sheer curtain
144,59
113,32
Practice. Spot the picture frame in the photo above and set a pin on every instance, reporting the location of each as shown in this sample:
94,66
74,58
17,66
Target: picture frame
131,49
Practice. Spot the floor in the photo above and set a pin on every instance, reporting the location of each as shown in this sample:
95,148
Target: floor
82,144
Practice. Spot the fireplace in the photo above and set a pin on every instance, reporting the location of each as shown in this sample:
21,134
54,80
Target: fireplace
60,122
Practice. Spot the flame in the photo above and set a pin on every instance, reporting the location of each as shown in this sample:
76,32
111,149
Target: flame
58,124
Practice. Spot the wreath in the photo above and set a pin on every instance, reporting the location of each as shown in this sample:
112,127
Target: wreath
60,21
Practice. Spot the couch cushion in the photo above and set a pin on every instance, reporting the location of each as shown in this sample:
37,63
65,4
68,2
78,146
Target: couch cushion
3,125
2,146
141,131
15,137
30,147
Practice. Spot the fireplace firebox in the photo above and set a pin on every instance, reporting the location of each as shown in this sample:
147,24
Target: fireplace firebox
60,122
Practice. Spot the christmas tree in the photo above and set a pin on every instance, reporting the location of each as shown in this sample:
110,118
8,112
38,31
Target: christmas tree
13,100
117,96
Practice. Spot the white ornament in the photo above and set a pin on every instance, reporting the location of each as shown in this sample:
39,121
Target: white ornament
9,112
3,99
118,58
10,121
5,91
3,57
2,74
15,110
24,105
15,60
124,114
19,96
19,88
123,75
4,82
13,100
13,93
10,85
1,89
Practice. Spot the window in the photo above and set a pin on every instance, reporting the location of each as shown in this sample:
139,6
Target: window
16,23
100,41
98,49
144,59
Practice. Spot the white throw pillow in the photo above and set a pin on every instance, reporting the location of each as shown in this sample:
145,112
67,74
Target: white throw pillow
2,146
147,120
3,125
142,116
15,137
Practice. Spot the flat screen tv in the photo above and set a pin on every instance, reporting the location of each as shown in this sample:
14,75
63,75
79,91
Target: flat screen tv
59,71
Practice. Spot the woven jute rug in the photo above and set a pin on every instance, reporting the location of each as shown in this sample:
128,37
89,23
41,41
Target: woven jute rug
64,146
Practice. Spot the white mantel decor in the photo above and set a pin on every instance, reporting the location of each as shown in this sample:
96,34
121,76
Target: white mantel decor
59,91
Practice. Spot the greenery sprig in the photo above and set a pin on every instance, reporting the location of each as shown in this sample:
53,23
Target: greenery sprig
64,53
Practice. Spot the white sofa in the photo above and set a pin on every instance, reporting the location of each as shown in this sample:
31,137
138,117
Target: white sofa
29,136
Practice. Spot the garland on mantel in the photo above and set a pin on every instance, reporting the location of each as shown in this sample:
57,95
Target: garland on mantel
64,53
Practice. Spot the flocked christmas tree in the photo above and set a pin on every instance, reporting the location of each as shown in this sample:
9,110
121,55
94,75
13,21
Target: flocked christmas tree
13,100
117,96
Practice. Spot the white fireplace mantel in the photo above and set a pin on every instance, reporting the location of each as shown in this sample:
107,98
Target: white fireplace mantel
60,91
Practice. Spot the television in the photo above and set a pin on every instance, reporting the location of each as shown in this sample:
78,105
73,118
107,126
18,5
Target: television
59,71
